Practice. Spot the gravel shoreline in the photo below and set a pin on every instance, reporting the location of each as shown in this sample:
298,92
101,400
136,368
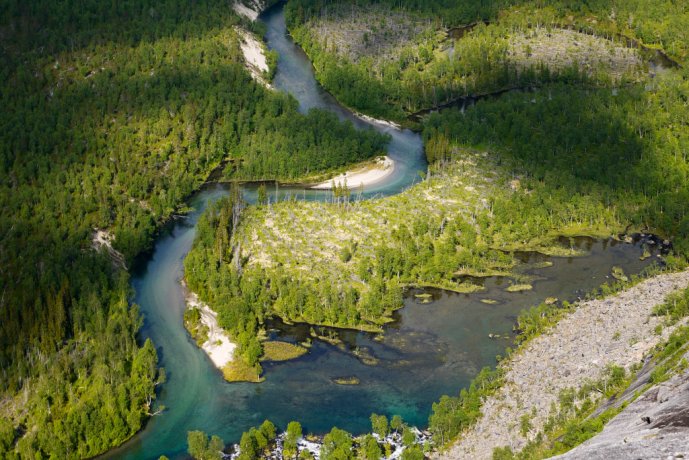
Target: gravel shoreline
616,330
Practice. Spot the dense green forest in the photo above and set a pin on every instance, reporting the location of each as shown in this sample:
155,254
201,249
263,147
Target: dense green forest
113,113
433,67
620,162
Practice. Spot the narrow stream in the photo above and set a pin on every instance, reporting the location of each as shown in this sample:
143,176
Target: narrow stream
432,349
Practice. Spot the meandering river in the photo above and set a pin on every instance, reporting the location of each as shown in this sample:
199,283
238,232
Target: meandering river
432,349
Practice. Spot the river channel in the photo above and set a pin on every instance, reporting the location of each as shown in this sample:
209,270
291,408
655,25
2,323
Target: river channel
435,347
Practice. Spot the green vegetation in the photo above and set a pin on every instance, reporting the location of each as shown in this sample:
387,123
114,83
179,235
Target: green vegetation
292,436
612,156
391,64
351,380
461,220
452,414
570,424
112,115
519,288
540,182
238,370
289,146
670,356
275,350
379,425
619,162
335,445
675,307
256,442
193,324
202,448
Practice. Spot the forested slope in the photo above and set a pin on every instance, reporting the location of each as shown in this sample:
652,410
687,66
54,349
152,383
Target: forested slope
112,114
424,54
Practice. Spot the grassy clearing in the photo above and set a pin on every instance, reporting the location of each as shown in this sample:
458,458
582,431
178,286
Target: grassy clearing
275,350
561,49
238,371
519,288
371,33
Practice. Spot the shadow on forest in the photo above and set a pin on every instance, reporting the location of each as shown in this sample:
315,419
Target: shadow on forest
47,27
595,143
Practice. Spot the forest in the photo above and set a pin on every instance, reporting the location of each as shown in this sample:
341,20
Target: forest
625,150
244,296
615,160
434,68
113,113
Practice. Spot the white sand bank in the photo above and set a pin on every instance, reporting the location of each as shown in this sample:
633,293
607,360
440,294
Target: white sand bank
376,121
243,10
363,177
254,55
218,347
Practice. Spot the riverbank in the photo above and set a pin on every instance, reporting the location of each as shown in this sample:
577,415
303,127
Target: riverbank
254,56
619,330
366,176
250,12
219,348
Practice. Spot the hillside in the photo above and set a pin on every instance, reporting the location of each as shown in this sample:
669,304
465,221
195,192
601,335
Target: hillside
573,367
112,116
394,60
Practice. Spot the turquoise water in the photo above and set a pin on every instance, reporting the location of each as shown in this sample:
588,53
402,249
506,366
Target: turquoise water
432,349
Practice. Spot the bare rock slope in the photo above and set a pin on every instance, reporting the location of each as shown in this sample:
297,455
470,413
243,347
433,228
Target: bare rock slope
617,330
654,426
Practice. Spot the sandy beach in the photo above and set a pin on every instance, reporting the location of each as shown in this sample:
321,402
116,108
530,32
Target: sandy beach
218,347
362,177
254,55
376,121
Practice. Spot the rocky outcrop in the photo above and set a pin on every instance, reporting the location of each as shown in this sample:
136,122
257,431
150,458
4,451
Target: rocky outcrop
249,9
654,426
618,330
102,241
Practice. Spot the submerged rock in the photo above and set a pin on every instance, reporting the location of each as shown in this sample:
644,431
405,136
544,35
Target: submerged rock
350,380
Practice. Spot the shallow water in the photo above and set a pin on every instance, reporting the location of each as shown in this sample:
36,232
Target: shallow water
432,349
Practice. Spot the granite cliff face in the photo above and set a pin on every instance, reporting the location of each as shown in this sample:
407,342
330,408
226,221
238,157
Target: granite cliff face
654,426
